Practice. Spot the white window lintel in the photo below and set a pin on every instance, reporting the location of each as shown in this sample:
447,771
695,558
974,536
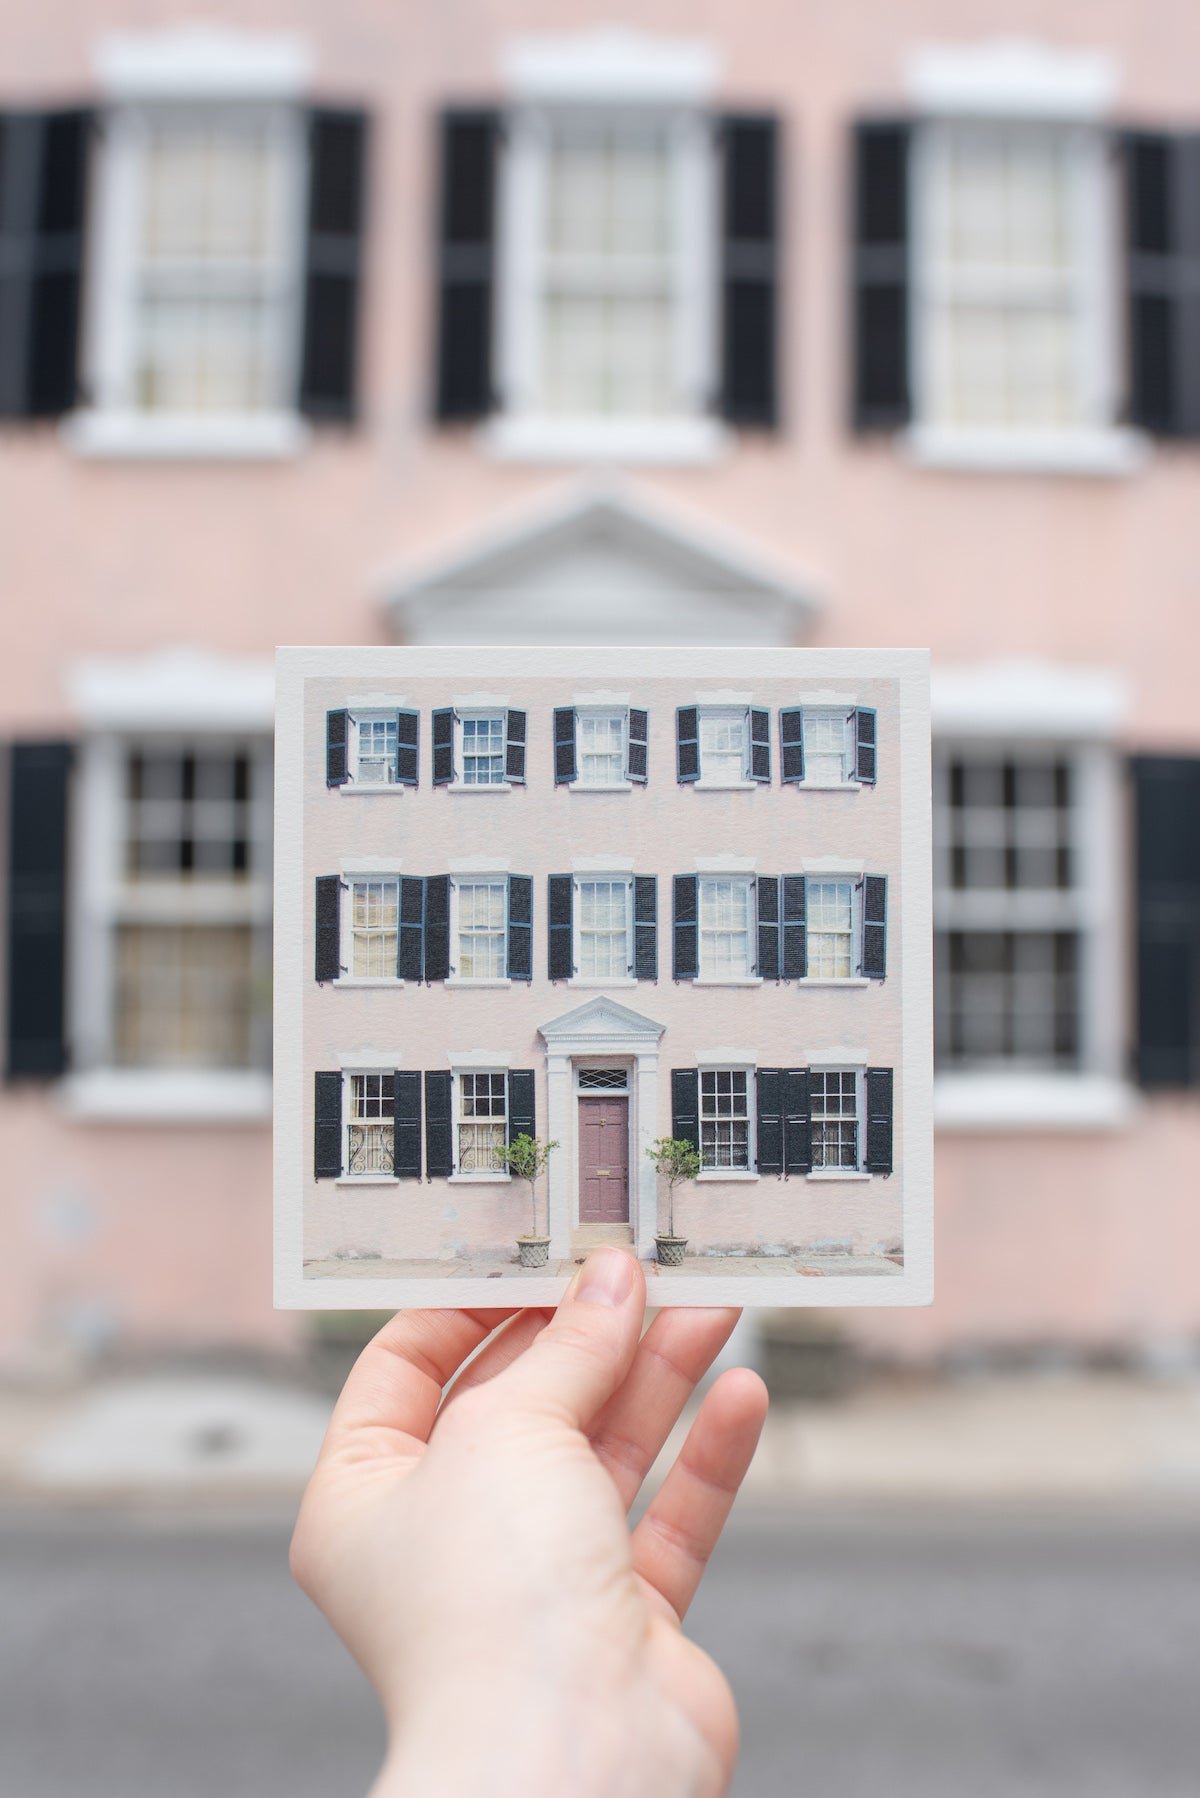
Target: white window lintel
202,61
1012,78
611,65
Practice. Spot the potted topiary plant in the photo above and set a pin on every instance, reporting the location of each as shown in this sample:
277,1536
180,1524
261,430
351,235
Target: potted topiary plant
676,1161
525,1157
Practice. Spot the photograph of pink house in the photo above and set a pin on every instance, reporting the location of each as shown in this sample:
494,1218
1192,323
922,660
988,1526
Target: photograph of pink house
603,899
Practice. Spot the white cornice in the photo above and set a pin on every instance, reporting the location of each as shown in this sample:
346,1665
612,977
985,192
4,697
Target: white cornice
173,689
1011,78
203,61
1027,699
611,66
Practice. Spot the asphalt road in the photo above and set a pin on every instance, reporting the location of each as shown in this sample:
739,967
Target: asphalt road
998,1656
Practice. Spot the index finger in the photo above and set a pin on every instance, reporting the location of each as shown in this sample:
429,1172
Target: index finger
396,1384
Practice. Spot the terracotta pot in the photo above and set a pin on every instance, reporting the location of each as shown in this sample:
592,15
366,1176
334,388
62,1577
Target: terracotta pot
534,1251
670,1250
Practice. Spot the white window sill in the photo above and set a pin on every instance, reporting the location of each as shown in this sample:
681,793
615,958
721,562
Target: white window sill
138,436
840,1175
1032,1102
486,1178
595,786
1070,452
381,981
462,980
462,786
724,786
586,980
367,1180
826,786
167,1096
708,1175
360,788
648,440
737,980
853,980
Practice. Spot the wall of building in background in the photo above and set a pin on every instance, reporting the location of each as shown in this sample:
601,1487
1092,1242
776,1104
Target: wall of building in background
863,329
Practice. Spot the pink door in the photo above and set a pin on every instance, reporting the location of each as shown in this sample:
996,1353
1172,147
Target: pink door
604,1160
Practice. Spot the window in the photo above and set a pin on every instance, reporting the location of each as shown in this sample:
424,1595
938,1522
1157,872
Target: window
601,748
374,908
828,748
481,1122
604,912
369,1124
830,912
723,739
482,928
725,928
376,738
833,1101
724,1118
482,749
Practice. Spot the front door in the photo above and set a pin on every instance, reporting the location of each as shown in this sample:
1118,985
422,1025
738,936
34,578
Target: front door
604,1160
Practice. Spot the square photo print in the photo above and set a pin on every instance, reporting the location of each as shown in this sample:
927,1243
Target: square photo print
599,945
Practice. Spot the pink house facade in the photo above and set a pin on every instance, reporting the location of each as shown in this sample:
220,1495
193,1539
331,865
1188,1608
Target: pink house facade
500,327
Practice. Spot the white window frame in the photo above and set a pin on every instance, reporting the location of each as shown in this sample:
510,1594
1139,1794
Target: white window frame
750,1171
475,1176
712,783
619,713
349,879
858,1171
819,713
372,1177
482,877
579,879
475,713
370,715
751,976
855,883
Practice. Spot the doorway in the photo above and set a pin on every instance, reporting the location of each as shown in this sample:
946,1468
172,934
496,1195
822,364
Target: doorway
604,1158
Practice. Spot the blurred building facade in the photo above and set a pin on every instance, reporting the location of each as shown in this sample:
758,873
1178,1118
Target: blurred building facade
514,324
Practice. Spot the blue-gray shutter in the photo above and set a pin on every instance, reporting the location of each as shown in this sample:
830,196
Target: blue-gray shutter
645,926
329,926
794,927
1162,214
881,280
685,934
408,748
437,926
38,802
466,232
766,898
1167,842
410,948
791,744
333,258
687,743
636,752
406,1124
797,1121
874,944
760,745
327,1126
337,748
750,270
442,726
879,1121
564,744
560,949
685,1105
520,927
43,198
439,1126
514,746
768,1090
522,1116
865,747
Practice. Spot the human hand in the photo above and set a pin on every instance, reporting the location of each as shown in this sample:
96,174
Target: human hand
473,1551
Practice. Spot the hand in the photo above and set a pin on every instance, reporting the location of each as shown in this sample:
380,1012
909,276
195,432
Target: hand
473,1551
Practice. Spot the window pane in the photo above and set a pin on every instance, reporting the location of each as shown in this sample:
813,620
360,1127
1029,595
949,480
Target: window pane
482,930
826,742
183,996
483,751
481,1097
601,749
377,741
373,907
603,934
833,1100
188,813
724,929
1007,996
722,747
370,1127
724,1118
829,909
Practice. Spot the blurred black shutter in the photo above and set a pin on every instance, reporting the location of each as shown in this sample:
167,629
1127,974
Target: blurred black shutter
520,927
685,1106
766,893
43,197
465,264
750,271
880,250
329,915
560,954
406,1124
327,1126
685,946
39,778
645,926
437,926
522,1117
879,1121
333,263
1167,798
1162,211
768,1086
439,1134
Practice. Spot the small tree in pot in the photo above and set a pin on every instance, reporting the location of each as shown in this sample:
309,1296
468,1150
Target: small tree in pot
677,1161
526,1157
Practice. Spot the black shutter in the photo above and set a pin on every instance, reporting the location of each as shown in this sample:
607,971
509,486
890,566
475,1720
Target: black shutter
329,923
43,194
337,748
522,1118
1163,281
333,263
879,1121
560,952
768,1088
465,264
636,753
406,1125
687,743
685,1106
437,926
514,746
1167,834
327,1126
645,926
880,300
408,747
766,895
410,952
439,1133
520,927
760,745
39,777
791,744
874,943
795,931
564,744
685,948
443,746
797,1122
865,760
750,271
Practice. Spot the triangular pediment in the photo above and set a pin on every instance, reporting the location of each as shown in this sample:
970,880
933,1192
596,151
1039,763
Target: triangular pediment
602,1021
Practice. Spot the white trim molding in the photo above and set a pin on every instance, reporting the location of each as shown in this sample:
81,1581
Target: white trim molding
630,441
1016,78
176,689
1027,699
611,65
139,436
1102,450
161,1096
1032,1102
203,60
489,1060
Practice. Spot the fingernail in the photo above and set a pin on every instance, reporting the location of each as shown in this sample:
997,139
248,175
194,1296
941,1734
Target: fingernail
606,1278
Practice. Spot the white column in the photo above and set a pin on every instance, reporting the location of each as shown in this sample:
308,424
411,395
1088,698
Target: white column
558,1172
643,1186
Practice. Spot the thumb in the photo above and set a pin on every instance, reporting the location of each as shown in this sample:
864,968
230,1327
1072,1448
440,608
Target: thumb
580,1358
